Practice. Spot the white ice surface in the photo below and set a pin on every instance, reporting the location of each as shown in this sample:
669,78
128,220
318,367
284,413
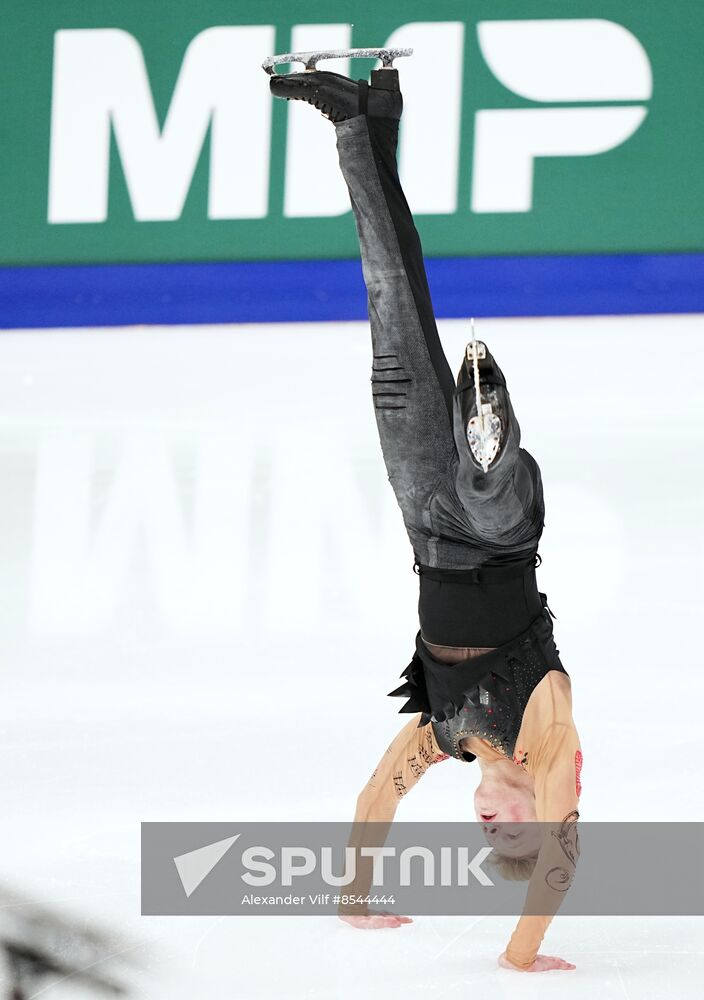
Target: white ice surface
184,509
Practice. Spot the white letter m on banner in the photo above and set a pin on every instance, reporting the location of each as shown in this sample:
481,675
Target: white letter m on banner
100,82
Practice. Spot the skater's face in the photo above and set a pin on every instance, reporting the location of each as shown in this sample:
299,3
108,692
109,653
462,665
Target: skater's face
506,811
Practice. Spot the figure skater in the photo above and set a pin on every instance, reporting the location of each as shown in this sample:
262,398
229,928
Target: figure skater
485,682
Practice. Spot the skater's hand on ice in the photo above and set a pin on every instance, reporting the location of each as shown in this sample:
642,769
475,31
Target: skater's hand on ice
374,919
542,963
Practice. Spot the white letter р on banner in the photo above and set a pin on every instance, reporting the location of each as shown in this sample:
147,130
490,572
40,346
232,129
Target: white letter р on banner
580,59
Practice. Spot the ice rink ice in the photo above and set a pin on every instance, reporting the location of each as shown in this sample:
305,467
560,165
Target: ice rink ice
185,510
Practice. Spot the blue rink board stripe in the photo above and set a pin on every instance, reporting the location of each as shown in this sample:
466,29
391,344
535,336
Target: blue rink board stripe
289,291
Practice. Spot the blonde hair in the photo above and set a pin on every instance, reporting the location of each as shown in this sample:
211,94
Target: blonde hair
513,869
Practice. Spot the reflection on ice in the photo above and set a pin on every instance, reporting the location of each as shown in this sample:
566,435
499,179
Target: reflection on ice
42,951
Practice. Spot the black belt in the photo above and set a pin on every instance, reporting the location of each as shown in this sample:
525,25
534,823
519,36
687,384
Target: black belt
482,574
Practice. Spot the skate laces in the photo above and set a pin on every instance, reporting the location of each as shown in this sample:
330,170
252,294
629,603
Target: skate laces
335,115
324,108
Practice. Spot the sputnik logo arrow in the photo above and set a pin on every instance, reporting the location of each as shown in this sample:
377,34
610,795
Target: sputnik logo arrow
197,865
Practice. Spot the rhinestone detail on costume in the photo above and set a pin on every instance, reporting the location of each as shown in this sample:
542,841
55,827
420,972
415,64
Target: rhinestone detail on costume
493,710
491,719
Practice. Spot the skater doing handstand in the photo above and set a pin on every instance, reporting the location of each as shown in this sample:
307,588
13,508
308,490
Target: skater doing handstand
485,682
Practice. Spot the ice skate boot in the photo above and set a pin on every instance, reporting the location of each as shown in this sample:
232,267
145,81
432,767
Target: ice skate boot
485,406
336,96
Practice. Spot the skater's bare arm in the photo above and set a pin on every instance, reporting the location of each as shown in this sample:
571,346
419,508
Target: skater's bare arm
555,766
405,762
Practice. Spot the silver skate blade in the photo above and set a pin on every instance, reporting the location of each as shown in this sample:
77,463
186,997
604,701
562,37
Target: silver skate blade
484,436
310,59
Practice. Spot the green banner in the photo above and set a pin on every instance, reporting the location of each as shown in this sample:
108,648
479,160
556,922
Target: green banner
146,132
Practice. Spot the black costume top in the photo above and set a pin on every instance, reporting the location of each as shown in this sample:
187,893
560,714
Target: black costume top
486,695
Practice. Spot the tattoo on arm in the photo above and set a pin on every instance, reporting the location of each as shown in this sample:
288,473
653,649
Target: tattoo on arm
399,784
416,766
567,836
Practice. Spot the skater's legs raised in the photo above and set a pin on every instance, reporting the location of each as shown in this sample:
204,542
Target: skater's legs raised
456,513
503,504
411,380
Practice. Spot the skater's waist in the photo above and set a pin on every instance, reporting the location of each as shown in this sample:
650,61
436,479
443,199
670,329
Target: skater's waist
484,607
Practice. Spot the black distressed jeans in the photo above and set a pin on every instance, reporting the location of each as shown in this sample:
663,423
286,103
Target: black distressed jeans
456,515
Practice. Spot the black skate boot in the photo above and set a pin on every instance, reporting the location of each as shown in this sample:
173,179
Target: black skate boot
486,407
339,98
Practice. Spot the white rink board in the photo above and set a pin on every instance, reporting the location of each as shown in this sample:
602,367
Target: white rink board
184,508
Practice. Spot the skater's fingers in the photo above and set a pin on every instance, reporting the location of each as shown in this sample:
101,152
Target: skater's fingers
404,920
559,963
371,921
546,963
